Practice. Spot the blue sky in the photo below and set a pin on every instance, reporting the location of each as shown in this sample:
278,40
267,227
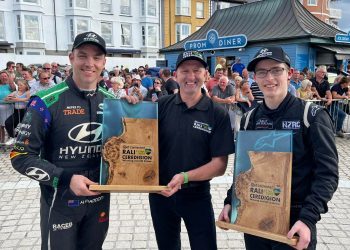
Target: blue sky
344,22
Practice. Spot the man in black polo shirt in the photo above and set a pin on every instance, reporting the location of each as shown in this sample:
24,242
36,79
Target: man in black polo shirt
322,86
195,140
340,91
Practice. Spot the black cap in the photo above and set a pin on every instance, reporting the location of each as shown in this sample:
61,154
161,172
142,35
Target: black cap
274,53
191,55
89,37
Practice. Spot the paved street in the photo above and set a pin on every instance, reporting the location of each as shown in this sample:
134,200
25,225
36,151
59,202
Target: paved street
130,221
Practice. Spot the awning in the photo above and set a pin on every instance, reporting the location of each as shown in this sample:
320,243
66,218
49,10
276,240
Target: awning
341,52
122,51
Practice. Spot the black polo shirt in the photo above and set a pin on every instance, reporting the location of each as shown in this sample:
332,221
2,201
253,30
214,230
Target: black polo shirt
320,87
337,88
190,137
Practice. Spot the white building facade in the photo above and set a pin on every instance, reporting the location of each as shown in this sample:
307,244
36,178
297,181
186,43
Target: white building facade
48,27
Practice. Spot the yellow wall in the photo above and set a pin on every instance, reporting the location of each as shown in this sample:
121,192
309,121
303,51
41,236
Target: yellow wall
170,19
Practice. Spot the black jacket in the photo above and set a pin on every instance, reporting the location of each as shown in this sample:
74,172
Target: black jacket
315,157
60,135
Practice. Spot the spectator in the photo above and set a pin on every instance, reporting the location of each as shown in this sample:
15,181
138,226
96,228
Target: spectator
128,81
305,92
221,64
10,68
118,90
214,80
67,72
171,86
294,80
18,72
34,71
339,91
238,66
256,92
137,90
157,91
245,101
292,90
44,83
145,80
224,94
28,76
19,98
54,79
245,76
5,109
56,72
321,85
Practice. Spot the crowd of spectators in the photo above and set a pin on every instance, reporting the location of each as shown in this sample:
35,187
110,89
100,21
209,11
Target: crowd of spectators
231,86
305,84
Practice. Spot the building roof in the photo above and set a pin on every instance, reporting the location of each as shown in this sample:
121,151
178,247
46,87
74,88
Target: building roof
267,20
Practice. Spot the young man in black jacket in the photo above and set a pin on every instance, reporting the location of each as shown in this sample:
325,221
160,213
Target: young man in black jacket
315,158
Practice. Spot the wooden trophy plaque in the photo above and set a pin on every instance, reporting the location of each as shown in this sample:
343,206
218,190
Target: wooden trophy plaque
129,148
262,185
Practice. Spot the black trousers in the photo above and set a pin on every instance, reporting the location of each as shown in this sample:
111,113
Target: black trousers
194,206
254,242
73,222
12,121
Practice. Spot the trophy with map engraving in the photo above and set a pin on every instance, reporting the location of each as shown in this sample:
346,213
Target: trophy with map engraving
262,185
129,148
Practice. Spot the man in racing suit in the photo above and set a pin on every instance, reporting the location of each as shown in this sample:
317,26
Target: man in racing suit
59,145
315,158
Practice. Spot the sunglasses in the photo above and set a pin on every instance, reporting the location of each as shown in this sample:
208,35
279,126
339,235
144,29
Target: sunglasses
46,68
45,78
157,82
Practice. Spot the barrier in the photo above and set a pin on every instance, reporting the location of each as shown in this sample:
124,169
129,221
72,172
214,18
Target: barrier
339,111
10,116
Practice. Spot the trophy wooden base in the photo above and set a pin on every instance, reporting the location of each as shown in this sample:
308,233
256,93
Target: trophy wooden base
259,233
127,188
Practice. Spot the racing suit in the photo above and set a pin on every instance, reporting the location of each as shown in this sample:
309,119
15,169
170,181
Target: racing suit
59,136
314,166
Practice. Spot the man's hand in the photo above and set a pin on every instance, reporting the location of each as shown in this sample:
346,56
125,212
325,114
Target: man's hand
329,102
174,185
304,234
224,215
79,184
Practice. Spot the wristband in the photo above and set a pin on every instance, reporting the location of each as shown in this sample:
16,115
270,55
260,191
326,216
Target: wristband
185,175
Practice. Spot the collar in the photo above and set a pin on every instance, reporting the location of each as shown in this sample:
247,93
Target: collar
72,86
202,104
283,105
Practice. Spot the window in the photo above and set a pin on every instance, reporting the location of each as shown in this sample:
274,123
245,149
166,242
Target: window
143,7
199,10
312,2
2,26
151,8
152,36
31,25
182,31
149,36
183,7
77,26
31,1
106,6
106,32
126,34
19,27
125,7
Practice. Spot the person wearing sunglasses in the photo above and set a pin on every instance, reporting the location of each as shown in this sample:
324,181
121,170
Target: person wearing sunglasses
157,91
43,83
